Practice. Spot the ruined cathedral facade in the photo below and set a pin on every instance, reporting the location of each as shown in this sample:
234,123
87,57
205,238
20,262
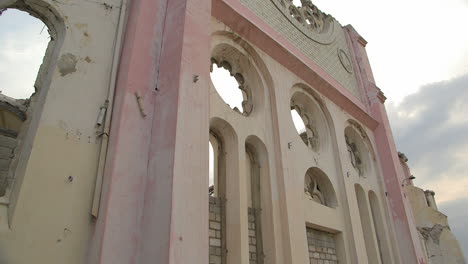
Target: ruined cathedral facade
108,161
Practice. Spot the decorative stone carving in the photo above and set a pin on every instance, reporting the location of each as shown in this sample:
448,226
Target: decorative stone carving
354,156
307,18
247,104
310,136
312,191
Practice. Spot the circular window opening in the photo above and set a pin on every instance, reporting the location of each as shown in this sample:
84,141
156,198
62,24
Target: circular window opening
230,86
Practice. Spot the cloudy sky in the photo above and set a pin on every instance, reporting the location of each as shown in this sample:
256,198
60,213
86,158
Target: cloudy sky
23,40
418,50
419,53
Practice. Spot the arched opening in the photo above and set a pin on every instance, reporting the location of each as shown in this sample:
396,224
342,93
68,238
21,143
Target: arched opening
299,125
216,207
253,169
228,86
24,40
309,119
367,226
261,234
318,188
358,154
234,77
224,200
23,43
212,169
379,226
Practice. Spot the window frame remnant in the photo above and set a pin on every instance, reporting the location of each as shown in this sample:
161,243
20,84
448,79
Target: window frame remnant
247,104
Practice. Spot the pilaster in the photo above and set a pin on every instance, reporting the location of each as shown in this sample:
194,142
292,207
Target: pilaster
154,205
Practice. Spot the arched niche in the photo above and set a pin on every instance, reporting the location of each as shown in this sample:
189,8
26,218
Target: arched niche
260,205
223,139
318,188
222,218
306,104
372,250
380,228
25,130
359,149
229,54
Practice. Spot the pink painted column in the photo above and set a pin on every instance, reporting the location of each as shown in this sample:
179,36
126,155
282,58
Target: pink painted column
405,228
154,205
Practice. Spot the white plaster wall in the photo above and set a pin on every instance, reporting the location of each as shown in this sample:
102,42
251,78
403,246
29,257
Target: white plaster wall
47,218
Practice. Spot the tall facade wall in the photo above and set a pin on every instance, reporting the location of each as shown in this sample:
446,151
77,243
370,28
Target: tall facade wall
134,188
286,208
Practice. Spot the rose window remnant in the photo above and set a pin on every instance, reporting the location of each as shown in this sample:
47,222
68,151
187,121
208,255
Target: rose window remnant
306,13
305,127
231,86
354,156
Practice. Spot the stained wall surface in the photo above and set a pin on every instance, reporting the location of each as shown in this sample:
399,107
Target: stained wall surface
45,215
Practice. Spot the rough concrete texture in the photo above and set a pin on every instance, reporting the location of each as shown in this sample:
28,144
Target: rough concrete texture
439,243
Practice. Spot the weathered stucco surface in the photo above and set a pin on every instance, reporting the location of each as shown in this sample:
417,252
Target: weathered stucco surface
131,186
45,217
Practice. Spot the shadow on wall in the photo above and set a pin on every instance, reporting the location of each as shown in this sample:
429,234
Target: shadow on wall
2,257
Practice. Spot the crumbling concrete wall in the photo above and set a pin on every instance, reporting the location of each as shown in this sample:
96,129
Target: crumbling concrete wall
438,241
12,117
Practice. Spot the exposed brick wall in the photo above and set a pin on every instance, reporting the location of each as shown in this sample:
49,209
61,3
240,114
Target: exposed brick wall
7,147
215,231
322,249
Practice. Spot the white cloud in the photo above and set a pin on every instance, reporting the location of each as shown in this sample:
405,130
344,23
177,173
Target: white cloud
21,52
411,43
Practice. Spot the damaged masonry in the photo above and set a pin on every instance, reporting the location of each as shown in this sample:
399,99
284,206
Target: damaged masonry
108,160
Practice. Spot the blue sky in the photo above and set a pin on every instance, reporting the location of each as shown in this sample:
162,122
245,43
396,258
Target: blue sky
419,53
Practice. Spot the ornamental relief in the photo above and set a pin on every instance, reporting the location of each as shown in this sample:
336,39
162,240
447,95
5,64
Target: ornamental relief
354,156
247,103
308,19
310,135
